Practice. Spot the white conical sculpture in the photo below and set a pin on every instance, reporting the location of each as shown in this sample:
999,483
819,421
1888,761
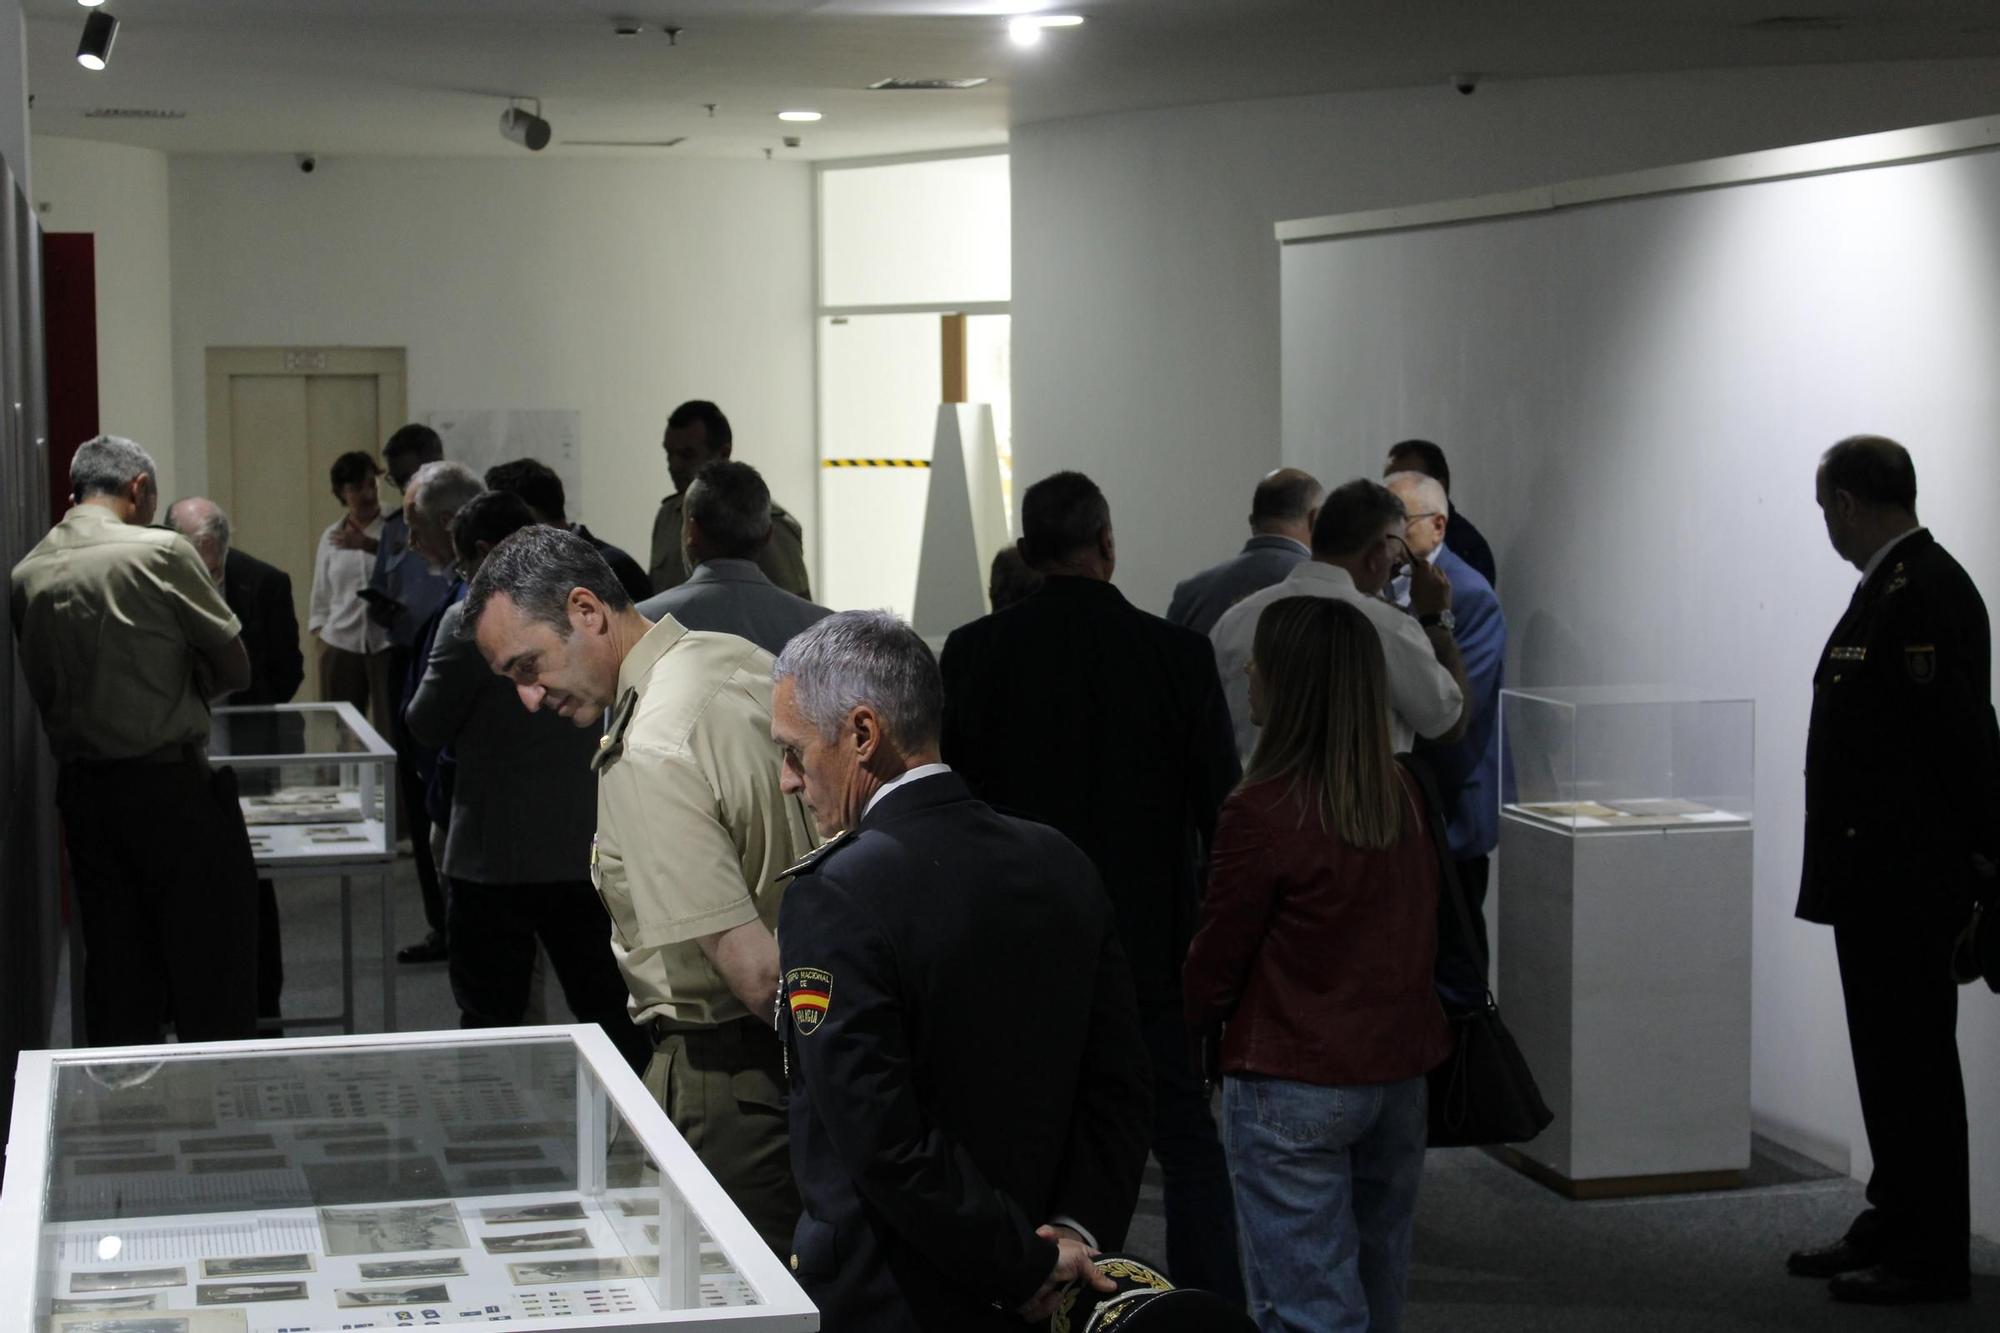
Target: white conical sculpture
965,521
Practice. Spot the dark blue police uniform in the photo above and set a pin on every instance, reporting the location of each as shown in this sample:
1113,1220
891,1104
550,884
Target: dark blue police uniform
965,1062
1901,791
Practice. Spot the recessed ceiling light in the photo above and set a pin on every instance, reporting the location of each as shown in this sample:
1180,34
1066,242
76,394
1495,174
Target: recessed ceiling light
1026,29
90,4
798,115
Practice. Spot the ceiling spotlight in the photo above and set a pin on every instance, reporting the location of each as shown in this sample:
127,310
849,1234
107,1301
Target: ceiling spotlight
526,128
99,31
799,115
90,4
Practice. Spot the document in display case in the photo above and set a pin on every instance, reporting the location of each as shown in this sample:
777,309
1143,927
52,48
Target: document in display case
317,784
1624,885
437,1179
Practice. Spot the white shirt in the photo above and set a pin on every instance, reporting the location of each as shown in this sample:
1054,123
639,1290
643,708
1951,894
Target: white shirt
337,613
920,771
1424,700
1875,560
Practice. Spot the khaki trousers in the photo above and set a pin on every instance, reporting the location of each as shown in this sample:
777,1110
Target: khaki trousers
723,1087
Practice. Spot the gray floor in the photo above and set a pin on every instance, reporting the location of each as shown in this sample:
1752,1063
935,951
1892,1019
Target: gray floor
1495,1253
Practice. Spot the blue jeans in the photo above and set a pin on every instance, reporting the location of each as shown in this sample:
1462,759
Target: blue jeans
1326,1199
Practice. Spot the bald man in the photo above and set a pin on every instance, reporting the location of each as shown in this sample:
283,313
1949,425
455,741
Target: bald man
259,594
1282,510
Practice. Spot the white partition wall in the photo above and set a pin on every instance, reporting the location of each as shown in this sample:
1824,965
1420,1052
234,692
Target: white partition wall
1634,380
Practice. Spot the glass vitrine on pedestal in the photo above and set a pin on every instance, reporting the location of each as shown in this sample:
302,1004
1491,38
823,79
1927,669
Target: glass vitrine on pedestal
441,1179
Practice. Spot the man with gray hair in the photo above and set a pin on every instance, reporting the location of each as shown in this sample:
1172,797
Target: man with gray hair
123,640
693,831
953,1174
1282,510
725,524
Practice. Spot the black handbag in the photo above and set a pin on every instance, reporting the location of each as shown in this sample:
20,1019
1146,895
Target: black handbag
1484,1092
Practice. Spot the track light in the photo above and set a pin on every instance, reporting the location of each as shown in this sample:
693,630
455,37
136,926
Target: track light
526,128
99,31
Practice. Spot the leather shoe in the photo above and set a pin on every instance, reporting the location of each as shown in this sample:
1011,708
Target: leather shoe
1843,1256
429,949
1884,1286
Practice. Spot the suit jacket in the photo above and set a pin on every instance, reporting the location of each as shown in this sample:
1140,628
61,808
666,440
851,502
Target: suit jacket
734,597
783,558
1200,601
1903,754
523,799
261,597
1470,546
1075,708
965,1063
1468,769
630,577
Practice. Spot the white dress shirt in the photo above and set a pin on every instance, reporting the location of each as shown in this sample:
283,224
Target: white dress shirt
1882,553
1424,700
919,772
337,613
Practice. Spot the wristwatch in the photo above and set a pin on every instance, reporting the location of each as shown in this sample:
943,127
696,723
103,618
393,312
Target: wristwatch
1443,618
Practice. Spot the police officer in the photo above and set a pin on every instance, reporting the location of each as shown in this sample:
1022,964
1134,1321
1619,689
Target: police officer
1901,792
969,1081
123,640
693,832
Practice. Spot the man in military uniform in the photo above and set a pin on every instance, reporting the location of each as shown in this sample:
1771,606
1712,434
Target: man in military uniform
693,832
123,640
697,435
1902,788
969,1080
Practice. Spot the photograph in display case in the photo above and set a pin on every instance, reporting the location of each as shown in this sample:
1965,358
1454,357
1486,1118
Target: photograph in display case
104,1304
124,1279
352,1298
391,1230
262,1265
409,1270
575,1238
551,1272
180,1321
243,1293
570,1211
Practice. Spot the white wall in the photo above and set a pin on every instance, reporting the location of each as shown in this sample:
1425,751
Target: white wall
1146,276
120,194
616,288
14,88
1643,389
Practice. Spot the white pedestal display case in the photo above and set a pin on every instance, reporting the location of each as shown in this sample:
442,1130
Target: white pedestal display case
1624,933
420,1180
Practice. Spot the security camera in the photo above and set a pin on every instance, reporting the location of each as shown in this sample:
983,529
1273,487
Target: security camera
791,141
1467,84
308,163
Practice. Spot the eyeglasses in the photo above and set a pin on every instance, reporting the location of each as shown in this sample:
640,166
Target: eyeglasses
1428,513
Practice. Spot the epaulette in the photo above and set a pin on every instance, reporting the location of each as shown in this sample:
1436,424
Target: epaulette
810,862
612,743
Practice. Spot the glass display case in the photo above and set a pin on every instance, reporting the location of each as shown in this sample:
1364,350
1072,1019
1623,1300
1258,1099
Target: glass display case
1601,759
317,783
518,1175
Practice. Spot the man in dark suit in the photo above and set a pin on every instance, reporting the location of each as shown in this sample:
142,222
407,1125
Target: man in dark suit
1282,510
1075,708
956,1172
1902,792
261,597
1460,537
537,483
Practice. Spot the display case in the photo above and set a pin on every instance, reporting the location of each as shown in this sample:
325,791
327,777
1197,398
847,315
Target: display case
440,1179
1594,760
317,783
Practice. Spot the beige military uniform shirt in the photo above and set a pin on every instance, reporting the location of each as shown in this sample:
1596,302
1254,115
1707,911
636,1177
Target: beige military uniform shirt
112,621
692,830
783,558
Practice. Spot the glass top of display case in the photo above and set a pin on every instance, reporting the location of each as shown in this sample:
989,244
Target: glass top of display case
422,1179
294,733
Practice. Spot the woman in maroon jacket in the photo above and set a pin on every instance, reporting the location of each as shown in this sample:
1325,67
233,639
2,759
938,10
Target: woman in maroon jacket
1317,946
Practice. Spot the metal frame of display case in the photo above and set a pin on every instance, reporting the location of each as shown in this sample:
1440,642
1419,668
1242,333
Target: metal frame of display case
346,866
690,1199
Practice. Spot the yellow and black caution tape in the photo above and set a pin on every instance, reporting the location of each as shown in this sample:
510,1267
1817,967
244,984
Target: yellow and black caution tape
874,462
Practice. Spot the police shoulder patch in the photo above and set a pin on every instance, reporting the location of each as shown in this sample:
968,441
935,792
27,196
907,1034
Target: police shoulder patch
808,993
1920,660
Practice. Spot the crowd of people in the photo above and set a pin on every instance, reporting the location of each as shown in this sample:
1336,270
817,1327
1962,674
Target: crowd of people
922,953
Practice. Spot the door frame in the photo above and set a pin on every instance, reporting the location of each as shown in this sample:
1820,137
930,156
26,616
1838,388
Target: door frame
388,365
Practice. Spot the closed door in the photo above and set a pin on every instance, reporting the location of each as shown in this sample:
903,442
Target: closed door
274,432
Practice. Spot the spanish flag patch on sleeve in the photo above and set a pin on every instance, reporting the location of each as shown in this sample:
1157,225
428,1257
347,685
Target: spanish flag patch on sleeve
808,992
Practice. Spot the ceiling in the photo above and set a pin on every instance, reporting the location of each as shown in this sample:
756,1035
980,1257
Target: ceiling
430,77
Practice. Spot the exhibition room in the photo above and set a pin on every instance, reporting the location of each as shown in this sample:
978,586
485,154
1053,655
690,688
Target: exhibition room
968,664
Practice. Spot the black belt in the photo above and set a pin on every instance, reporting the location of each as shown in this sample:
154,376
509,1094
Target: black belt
182,752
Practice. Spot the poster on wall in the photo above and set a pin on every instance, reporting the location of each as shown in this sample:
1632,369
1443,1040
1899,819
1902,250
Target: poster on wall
480,438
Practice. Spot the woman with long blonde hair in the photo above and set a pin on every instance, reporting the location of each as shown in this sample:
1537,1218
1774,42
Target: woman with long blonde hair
1315,954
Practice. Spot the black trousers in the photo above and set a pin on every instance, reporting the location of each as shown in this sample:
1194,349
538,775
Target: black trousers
1474,874
1902,1023
410,793
1194,1175
166,897
270,956
492,934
